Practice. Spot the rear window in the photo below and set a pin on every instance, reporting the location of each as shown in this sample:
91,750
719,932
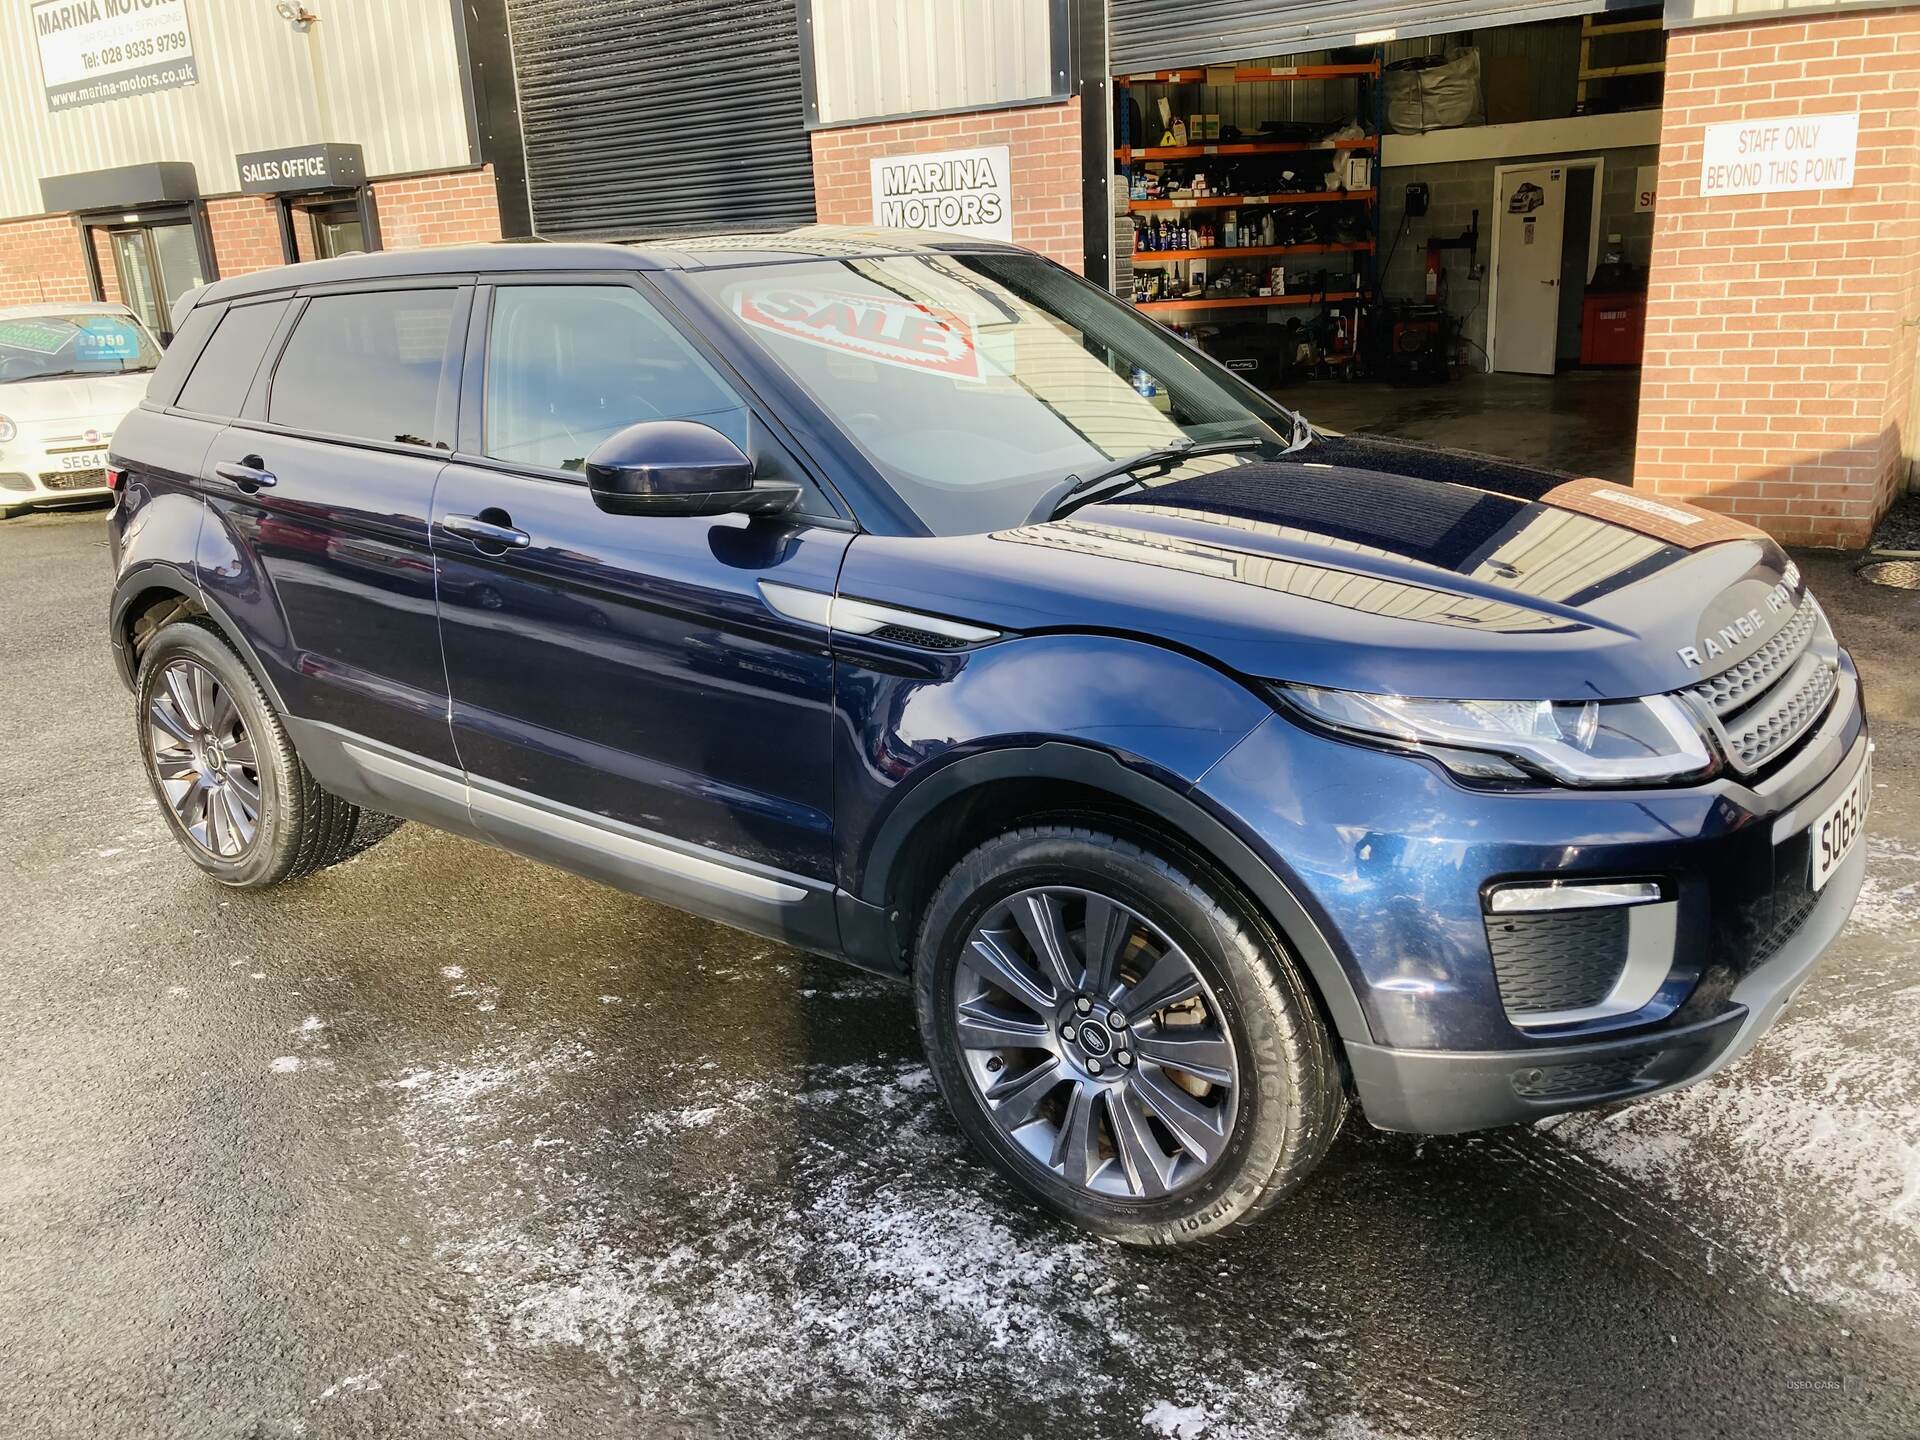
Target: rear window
365,365
224,372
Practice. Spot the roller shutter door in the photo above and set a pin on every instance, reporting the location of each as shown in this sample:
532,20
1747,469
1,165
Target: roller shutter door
1154,35
672,116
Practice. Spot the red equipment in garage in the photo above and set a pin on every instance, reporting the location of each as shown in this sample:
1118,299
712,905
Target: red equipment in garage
1613,328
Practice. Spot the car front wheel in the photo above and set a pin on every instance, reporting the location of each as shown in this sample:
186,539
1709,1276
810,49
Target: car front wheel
1122,1038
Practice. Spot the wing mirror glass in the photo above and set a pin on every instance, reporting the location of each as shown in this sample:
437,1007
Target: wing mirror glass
679,467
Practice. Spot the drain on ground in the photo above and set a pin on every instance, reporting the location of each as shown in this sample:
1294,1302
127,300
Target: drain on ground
1900,574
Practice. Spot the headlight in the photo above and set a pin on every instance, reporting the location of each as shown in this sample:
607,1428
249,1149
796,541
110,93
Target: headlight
7,430
1577,742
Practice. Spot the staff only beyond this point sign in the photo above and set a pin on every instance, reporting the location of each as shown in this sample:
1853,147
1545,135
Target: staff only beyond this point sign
964,192
1758,157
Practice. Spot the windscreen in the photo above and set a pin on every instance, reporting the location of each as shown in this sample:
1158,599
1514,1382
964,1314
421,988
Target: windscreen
43,347
976,383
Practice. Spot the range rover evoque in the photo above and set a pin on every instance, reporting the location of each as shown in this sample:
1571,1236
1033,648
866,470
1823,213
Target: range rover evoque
913,601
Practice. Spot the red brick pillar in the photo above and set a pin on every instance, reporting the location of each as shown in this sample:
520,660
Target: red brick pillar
1043,145
1778,372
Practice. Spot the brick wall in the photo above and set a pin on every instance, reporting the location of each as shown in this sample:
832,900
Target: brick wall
1778,374
1043,143
40,259
455,209
246,237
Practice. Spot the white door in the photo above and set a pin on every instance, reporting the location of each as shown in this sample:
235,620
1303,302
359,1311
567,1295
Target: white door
1530,216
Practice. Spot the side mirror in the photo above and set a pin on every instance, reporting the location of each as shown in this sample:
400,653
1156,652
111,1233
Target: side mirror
678,467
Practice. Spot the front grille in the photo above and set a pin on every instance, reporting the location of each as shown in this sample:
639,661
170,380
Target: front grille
1588,1077
1738,684
1790,915
74,479
1764,703
1558,959
1774,723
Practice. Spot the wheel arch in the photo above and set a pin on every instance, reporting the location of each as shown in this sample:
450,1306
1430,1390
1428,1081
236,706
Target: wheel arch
143,595
968,800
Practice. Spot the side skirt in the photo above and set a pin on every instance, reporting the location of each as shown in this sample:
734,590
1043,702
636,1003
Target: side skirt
792,909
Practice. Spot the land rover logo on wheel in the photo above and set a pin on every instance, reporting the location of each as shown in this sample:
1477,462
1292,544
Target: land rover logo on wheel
1742,628
1094,1038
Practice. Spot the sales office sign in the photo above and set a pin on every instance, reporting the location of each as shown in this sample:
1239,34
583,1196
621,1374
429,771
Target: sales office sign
94,50
961,192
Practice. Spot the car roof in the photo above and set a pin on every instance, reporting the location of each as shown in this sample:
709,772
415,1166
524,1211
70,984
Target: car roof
699,252
54,307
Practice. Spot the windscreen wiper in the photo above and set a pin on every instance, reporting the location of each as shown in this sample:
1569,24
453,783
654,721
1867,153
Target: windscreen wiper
1122,475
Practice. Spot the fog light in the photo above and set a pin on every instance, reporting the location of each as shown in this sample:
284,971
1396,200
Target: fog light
1529,896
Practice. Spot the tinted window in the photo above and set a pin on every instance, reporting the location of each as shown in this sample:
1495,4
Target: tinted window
568,365
176,361
224,372
365,365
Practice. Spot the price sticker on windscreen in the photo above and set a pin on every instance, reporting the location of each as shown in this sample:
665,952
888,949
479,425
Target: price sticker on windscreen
887,329
106,338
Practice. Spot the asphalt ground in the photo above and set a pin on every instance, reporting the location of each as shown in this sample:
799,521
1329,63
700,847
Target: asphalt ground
446,1143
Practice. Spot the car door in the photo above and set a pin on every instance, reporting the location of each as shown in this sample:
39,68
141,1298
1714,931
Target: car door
621,675
322,493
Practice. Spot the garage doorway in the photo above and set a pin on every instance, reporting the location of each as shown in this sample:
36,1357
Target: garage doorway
1536,255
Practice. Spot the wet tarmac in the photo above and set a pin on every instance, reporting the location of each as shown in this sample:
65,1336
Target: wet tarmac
444,1143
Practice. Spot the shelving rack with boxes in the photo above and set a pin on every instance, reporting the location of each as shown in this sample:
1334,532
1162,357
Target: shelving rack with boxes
1184,201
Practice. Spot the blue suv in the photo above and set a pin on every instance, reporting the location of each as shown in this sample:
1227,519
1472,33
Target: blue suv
914,602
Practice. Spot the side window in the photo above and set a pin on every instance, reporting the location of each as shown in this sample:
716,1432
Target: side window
569,365
366,365
224,372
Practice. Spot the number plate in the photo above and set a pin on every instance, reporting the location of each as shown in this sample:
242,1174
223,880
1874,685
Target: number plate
1839,827
84,460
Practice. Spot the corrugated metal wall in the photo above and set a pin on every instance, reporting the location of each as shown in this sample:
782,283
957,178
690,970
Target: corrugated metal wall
1155,35
892,57
673,116
384,74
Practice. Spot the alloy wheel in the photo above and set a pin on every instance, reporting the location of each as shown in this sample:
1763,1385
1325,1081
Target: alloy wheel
1095,1044
204,759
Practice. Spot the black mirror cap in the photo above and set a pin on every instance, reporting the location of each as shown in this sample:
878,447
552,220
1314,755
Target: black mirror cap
679,467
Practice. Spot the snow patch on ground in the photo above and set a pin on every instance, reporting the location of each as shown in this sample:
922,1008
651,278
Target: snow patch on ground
1805,1156
875,1284
1889,902
1176,1422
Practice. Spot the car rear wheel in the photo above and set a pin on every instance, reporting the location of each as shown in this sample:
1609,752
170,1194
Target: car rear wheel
1121,1038
232,789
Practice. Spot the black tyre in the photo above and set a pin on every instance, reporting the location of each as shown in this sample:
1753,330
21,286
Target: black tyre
1125,1043
228,781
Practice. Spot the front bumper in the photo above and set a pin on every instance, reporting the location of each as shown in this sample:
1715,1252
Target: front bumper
37,466
1439,1093
1392,861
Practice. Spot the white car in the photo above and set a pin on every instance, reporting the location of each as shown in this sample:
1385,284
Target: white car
68,373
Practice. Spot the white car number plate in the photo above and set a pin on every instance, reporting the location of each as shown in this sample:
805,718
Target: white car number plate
1840,825
84,460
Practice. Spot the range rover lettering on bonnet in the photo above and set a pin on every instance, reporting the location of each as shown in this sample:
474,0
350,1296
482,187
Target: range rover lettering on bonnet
1742,628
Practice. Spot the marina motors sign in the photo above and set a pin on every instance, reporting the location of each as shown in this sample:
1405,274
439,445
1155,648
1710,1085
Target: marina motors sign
962,192
94,50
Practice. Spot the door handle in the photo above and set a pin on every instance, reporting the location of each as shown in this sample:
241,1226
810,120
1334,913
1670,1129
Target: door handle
249,474
485,533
